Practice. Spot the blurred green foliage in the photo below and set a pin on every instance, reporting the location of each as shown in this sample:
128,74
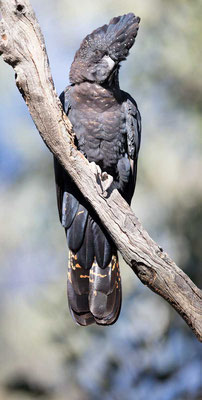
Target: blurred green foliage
150,352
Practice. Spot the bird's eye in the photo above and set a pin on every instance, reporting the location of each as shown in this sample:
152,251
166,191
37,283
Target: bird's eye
97,52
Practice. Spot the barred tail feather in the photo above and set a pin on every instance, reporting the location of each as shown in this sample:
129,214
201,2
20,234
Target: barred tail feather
94,295
105,292
77,291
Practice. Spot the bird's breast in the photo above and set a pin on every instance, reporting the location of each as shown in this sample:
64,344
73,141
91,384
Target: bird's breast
99,124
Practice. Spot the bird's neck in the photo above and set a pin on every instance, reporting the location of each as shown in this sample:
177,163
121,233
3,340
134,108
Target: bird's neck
113,80
94,95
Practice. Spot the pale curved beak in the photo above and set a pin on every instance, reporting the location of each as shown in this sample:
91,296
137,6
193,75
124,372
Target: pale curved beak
109,61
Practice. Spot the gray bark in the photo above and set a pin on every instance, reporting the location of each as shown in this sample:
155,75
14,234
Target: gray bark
22,46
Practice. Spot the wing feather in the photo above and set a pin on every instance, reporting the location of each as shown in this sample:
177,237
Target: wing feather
133,135
133,127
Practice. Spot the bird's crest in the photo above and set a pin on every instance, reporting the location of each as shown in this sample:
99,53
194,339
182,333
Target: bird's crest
101,52
114,39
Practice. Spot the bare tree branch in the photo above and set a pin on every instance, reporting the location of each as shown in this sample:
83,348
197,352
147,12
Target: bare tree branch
22,46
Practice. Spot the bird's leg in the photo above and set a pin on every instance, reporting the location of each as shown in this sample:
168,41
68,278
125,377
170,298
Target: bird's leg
103,178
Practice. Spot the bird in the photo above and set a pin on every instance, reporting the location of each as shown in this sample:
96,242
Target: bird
107,126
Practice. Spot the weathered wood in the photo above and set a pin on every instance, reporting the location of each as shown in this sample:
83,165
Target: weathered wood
22,46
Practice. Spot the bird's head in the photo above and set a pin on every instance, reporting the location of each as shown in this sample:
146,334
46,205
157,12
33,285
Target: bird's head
102,51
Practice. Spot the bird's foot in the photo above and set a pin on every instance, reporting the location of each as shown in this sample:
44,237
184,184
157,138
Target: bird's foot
103,178
106,181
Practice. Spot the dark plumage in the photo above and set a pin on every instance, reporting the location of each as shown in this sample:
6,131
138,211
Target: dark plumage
107,125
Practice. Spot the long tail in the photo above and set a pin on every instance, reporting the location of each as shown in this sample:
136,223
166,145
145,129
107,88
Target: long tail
94,283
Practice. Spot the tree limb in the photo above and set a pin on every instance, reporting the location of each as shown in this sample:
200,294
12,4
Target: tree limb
22,46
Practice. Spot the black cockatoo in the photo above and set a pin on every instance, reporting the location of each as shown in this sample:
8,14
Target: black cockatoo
107,125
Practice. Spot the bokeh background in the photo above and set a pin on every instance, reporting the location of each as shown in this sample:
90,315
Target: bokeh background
149,354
